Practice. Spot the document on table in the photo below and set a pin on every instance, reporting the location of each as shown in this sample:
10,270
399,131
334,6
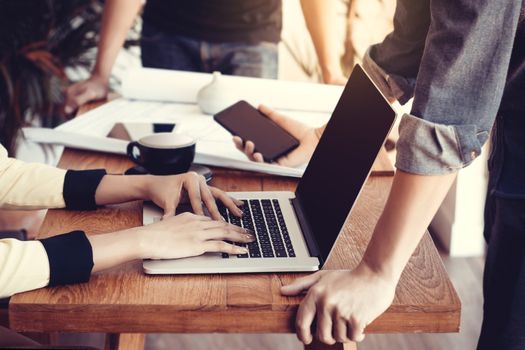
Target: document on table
214,144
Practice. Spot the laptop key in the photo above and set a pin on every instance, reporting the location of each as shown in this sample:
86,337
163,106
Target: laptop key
280,254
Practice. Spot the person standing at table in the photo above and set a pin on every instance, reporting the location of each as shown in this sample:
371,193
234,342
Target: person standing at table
464,64
235,37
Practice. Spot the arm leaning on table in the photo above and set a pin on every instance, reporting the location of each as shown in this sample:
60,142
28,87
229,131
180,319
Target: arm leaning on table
117,20
72,257
450,120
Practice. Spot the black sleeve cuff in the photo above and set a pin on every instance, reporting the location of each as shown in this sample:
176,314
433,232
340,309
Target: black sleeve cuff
80,188
70,258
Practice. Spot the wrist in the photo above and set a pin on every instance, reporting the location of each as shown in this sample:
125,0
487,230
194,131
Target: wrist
140,186
115,248
330,73
134,243
100,74
141,243
382,271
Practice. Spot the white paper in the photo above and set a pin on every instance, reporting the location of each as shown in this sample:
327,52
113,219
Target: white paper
163,85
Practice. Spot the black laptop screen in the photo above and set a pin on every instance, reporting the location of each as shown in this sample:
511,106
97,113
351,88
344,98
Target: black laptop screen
343,159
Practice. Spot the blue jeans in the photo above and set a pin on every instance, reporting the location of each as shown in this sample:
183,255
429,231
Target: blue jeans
504,277
169,51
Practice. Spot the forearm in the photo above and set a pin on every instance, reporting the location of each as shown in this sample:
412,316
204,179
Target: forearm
319,16
119,189
117,19
412,203
115,248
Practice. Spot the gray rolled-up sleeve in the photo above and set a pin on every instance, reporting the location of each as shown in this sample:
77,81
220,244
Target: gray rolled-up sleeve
427,148
459,84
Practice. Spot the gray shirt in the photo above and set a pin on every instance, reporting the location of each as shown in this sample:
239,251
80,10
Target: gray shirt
453,57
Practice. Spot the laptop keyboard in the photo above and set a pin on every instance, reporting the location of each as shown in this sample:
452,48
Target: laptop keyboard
265,219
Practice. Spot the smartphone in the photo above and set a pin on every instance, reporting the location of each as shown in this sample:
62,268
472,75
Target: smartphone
245,121
136,130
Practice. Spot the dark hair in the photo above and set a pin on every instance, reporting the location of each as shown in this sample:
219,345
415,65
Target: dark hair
38,40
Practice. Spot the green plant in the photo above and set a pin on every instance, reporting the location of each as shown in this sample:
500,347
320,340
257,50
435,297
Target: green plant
39,39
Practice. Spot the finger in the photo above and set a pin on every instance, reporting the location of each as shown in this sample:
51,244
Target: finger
230,203
170,207
359,338
271,114
304,319
300,284
258,157
324,326
214,224
249,149
232,234
223,247
169,211
209,200
71,94
239,144
340,331
355,332
191,184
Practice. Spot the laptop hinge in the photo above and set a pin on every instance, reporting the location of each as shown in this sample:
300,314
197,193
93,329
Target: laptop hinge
311,242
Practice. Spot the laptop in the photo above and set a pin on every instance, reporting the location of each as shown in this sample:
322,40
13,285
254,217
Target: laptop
297,231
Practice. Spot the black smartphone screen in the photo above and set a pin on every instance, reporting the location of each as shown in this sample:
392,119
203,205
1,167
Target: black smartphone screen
243,120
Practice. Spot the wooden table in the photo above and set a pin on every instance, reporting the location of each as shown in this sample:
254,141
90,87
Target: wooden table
126,303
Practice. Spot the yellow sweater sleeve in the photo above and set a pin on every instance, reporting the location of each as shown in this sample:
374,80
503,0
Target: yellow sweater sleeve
29,185
23,266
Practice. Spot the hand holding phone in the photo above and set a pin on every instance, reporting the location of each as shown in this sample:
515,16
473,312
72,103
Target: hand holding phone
245,121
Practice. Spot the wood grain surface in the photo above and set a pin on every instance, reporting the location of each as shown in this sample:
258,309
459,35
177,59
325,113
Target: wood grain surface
125,300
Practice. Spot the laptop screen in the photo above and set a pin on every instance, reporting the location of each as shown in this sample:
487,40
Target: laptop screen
343,159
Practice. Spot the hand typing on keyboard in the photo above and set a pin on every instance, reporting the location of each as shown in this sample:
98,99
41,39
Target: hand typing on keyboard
169,191
188,235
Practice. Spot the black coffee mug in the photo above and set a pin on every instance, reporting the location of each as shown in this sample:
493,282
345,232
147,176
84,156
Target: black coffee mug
163,153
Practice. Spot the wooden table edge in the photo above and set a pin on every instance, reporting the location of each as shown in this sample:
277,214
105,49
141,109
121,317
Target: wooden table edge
73,319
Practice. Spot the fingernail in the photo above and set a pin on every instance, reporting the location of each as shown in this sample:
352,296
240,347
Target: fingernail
250,237
250,232
244,250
